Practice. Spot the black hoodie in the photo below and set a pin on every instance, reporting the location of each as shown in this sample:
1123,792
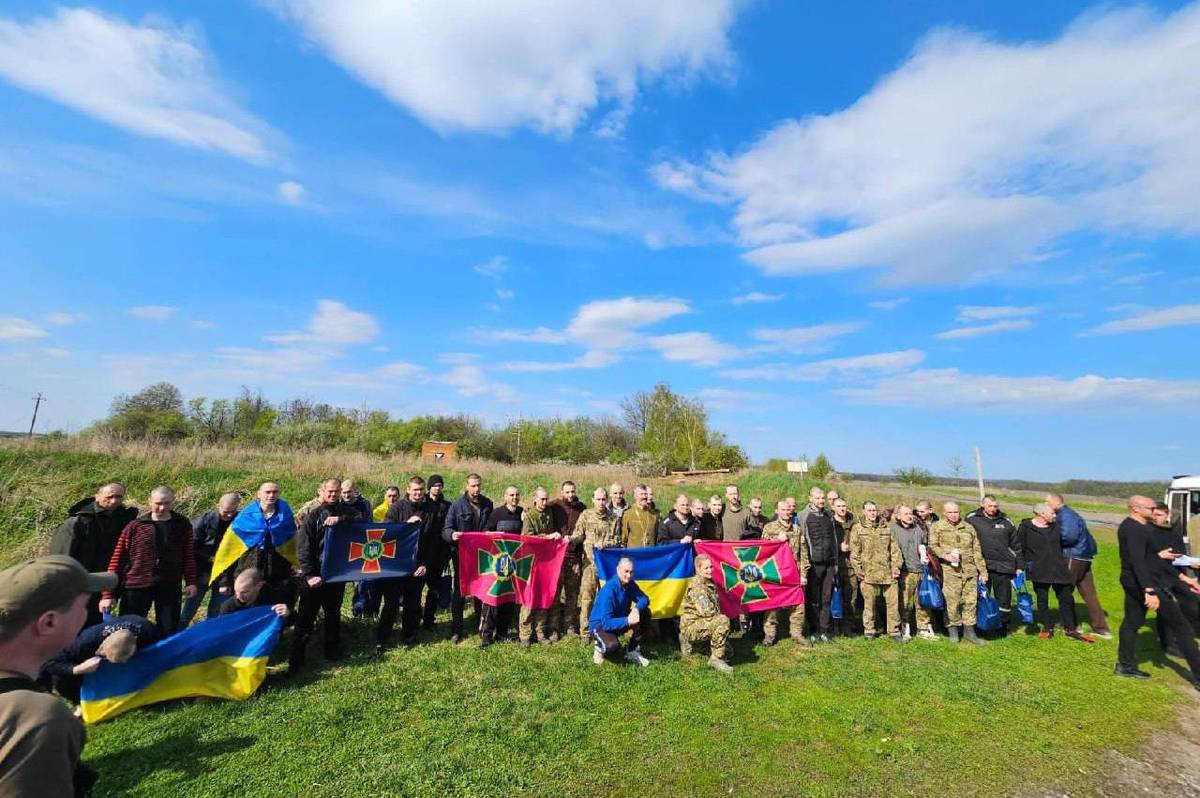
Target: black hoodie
999,542
90,534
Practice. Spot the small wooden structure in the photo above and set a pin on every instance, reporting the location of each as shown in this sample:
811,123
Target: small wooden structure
438,452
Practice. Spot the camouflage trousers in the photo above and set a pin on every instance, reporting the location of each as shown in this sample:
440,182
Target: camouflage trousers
714,631
796,622
588,587
890,593
961,594
566,609
914,613
531,620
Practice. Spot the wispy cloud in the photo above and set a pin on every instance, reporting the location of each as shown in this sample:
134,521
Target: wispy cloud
839,368
151,79
1177,316
494,267
63,319
805,340
594,359
334,323
13,328
888,304
153,312
970,313
692,347
292,192
984,329
755,297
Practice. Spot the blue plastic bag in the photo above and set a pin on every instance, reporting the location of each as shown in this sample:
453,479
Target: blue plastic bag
835,603
987,610
1025,605
1018,581
929,592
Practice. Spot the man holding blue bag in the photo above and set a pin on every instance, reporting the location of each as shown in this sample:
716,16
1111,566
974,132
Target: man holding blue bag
911,539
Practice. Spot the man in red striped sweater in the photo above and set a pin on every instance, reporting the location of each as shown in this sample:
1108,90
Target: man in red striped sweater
154,554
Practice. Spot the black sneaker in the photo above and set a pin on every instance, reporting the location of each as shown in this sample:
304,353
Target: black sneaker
1130,672
410,641
455,639
485,642
379,649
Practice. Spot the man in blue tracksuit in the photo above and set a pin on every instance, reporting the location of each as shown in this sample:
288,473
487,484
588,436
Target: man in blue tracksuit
620,607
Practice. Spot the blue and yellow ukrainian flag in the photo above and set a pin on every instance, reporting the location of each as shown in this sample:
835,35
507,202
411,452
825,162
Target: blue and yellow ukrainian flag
224,657
250,528
662,572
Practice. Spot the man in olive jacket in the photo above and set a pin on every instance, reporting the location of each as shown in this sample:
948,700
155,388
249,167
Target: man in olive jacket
876,558
955,542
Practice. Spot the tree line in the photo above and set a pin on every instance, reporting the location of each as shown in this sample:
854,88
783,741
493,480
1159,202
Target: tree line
658,431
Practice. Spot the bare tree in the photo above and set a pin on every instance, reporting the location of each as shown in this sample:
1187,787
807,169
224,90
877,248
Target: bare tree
636,410
956,466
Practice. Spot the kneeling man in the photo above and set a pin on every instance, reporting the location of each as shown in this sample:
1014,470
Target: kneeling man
620,607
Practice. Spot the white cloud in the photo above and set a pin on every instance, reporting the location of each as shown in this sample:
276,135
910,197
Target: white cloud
401,371
65,319
334,324
538,335
950,388
993,152
13,328
152,79
692,347
733,399
816,338
613,323
504,293
755,297
1177,316
55,352
201,324
464,65
594,359
970,313
493,267
888,304
153,312
471,381
984,329
842,368
291,192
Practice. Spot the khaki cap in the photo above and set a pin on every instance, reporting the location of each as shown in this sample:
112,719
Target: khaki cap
47,583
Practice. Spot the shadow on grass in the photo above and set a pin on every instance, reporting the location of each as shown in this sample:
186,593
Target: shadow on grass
180,754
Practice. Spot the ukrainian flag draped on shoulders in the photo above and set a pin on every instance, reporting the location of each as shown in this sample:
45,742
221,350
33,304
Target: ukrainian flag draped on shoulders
224,657
662,572
252,528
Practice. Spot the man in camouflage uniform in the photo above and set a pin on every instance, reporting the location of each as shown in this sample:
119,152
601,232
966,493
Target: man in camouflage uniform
955,542
700,618
911,539
783,529
877,561
536,521
639,524
600,529
852,601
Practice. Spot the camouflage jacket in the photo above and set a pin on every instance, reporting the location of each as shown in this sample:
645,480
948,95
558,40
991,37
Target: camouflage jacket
602,528
699,603
874,553
945,537
537,522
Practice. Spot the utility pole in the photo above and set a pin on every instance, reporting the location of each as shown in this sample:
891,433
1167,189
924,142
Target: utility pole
37,402
520,422
979,472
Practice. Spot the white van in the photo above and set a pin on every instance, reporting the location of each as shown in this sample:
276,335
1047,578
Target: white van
1183,497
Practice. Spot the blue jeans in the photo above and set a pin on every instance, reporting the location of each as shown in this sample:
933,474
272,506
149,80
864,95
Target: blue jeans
192,605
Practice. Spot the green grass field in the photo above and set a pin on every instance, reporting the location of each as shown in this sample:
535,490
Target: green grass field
849,718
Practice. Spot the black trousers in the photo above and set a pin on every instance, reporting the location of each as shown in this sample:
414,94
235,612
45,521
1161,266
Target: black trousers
432,580
1001,585
327,598
165,600
1066,604
610,644
495,621
391,592
818,595
1177,625
457,602
1189,604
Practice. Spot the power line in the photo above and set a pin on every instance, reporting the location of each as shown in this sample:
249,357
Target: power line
37,402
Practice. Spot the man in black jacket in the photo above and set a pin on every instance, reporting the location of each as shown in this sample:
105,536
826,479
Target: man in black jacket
679,526
90,534
207,531
439,551
412,509
318,596
1001,548
819,537
508,517
1149,582
469,513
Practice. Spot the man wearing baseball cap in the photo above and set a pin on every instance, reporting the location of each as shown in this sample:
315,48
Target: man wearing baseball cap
43,605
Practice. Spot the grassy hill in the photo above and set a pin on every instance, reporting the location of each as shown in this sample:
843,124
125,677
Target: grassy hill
850,718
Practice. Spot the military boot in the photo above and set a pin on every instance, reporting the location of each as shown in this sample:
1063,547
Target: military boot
953,630
970,636
720,665
685,646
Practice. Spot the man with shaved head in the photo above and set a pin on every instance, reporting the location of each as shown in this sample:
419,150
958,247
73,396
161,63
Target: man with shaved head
207,532
820,548
600,529
1150,583
90,534
956,543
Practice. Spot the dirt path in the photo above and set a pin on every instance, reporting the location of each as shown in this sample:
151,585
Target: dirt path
1166,767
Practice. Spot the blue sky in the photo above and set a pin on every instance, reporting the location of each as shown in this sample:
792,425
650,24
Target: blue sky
886,235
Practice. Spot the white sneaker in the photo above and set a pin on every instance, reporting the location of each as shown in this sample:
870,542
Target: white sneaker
1102,635
636,658
597,657
927,634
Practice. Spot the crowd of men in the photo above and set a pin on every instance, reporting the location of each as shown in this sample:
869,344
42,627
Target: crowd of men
56,624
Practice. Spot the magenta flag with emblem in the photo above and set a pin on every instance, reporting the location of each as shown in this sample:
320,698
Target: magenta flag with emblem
503,568
753,575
